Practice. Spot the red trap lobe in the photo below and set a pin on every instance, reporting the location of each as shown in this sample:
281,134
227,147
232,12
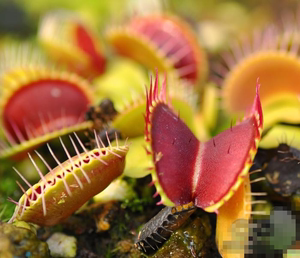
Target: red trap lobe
86,43
43,107
204,173
170,38
179,148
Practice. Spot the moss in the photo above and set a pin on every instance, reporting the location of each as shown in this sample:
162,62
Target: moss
21,242
142,197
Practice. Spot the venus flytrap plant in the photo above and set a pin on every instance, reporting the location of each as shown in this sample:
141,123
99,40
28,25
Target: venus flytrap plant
65,188
206,174
186,170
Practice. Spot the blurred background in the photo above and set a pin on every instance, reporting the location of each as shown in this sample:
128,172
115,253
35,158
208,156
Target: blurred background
20,18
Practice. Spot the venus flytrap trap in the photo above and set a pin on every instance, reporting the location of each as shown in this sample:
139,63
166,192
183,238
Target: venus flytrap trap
163,42
39,104
70,41
175,149
65,188
270,56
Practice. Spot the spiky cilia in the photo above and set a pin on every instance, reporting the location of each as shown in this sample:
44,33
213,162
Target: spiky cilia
186,170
